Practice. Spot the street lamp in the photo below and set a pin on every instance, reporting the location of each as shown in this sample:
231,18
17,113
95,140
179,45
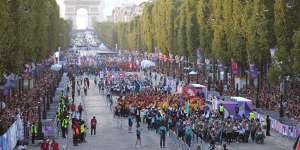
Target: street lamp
40,130
48,99
44,110
257,91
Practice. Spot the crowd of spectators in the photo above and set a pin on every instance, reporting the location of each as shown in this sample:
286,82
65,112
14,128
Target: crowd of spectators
84,38
25,102
271,97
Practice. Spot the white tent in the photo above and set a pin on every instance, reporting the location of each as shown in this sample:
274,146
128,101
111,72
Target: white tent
56,67
147,64
240,99
193,73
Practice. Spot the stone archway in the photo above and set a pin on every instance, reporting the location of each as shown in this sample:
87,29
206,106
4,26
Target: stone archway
94,8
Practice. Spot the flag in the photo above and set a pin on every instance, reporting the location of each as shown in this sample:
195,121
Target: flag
234,67
221,67
253,71
198,54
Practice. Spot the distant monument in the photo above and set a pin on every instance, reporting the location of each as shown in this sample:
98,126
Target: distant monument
94,8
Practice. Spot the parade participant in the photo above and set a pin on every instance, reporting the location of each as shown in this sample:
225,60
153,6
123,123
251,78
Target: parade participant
45,145
93,125
95,80
129,123
188,135
80,109
138,136
58,119
162,131
78,89
99,86
85,90
54,145
87,82
33,132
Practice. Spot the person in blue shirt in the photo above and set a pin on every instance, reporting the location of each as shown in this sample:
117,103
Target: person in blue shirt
188,135
138,135
130,122
162,132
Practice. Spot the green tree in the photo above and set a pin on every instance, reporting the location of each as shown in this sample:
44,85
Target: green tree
205,33
296,53
147,28
7,39
283,32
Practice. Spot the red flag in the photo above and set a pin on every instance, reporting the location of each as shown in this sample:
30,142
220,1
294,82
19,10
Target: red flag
234,67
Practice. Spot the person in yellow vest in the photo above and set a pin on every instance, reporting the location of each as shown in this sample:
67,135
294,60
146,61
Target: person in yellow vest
33,132
82,131
64,127
68,122
221,110
251,116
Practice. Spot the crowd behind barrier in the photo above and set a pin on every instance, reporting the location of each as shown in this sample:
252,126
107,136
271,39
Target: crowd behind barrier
286,130
10,138
291,130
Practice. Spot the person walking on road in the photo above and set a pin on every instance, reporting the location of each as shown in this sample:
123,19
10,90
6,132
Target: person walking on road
99,86
82,131
93,125
33,132
64,127
138,136
80,109
188,135
162,131
78,89
130,122
85,90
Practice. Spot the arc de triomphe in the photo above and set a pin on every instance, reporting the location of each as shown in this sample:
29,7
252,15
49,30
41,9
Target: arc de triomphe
94,8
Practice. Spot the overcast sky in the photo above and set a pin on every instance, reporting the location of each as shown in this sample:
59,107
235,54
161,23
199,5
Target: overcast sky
109,4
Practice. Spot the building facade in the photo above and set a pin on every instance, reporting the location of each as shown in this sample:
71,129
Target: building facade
126,13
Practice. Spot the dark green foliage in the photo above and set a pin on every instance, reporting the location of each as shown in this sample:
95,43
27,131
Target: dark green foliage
30,30
223,29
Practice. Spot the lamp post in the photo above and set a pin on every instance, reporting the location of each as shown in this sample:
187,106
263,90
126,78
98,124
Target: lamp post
44,110
257,92
40,130
257,87
48,99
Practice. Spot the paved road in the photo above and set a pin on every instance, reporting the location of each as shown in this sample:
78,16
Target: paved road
112,133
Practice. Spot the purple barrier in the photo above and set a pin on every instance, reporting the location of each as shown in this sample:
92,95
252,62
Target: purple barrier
289,131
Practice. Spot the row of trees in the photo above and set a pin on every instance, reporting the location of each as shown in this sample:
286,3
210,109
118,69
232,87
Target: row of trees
243,30
30,31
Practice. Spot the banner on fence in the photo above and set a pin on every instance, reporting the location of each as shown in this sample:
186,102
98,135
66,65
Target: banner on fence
289,131
15,132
